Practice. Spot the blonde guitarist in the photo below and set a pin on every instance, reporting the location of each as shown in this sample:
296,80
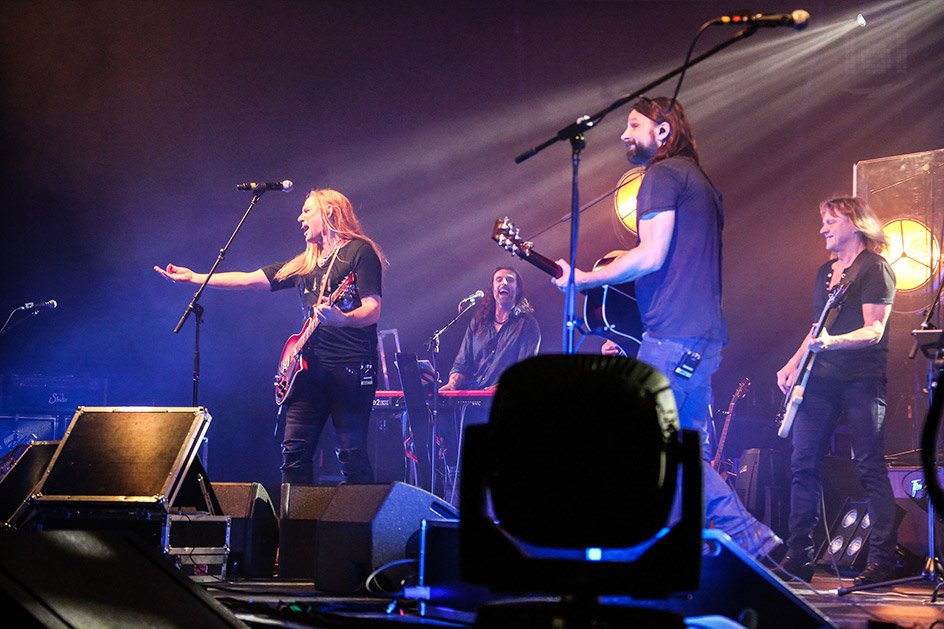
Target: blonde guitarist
335,374
847,379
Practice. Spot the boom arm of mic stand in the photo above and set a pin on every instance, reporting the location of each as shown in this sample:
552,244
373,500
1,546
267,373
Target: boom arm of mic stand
194,305
585,122
196,296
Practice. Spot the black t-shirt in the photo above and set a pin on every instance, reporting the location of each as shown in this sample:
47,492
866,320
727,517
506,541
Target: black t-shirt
330,345
682,300
485,354
874,284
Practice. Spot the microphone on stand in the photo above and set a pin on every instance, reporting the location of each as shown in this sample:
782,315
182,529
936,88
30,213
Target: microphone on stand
51,304
799,19
284,186
471,298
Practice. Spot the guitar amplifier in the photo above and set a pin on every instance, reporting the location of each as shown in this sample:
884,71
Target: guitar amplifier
52,395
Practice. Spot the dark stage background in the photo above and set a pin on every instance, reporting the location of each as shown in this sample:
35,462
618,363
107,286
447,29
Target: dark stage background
125,126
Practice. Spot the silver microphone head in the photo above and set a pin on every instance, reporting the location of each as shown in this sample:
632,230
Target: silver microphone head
287,185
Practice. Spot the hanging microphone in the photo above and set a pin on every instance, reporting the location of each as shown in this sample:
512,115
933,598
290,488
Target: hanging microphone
284,186
471,298
31,306
799,19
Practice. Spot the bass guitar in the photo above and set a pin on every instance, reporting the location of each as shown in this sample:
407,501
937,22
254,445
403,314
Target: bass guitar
719,463
610,311
794,396
292,362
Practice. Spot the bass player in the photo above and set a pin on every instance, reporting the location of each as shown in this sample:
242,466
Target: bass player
847,378
341,355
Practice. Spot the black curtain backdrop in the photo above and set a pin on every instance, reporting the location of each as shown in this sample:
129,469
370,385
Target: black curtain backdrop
126,126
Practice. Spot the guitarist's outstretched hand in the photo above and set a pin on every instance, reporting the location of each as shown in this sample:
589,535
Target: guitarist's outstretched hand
175,273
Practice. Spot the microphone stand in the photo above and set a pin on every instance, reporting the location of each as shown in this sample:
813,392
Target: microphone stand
194,305
574,133
432,346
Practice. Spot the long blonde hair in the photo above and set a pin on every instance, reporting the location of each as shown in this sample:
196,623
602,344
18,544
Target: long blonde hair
338,213
861,217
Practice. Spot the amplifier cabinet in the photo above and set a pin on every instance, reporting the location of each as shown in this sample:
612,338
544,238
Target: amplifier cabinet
911,497
58,395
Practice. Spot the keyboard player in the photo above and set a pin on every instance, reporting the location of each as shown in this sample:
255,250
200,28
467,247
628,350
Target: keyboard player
502,332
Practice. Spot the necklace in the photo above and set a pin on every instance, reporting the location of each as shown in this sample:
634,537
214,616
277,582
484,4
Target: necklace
323,258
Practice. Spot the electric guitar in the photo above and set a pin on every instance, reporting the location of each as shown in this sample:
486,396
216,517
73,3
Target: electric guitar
720,464
794,396
611,311
292,362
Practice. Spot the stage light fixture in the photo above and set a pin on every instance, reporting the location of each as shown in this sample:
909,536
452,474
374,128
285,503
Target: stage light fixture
625,197
860,20
629,422
913,252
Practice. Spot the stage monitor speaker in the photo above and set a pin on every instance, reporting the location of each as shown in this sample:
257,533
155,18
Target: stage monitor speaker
735,585
910,496
301,507
23,468
368,526
86,579
254,532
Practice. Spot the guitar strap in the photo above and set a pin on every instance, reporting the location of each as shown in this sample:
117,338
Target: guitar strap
849,276
324,283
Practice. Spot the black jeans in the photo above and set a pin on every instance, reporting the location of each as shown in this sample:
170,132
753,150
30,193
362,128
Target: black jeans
863,405
320,392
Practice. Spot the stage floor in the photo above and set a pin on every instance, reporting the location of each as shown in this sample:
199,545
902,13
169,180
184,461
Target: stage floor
274,603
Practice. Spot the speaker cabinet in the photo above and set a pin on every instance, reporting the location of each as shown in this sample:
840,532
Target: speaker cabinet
735,585
22,467
911,497
337,536
763,485
301,507
254,533
86,579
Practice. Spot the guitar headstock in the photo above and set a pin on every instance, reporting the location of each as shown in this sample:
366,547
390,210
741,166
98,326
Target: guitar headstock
508,238
742,389
837,294
344,290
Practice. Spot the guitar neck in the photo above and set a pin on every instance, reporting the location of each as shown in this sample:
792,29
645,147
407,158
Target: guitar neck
544,263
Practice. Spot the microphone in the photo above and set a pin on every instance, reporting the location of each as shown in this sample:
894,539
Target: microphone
284,186
799,19
31,306
471,298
